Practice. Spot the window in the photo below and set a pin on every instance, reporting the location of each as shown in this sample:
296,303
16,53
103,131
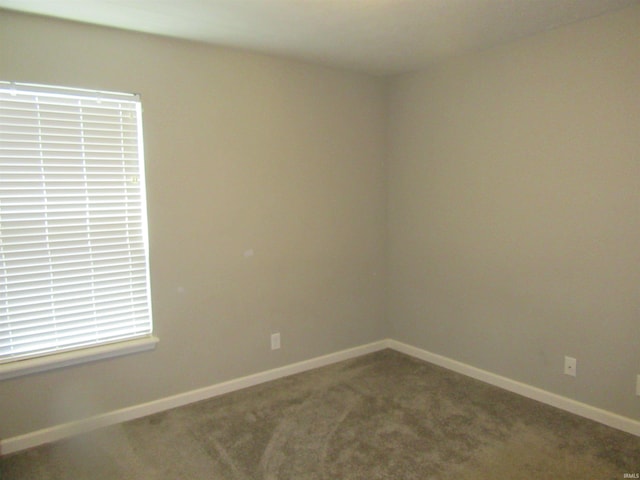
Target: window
74,279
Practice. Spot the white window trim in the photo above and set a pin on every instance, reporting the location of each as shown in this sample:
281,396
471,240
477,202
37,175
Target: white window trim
55,360
75,357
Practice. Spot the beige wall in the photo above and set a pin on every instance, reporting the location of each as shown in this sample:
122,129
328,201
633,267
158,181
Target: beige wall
514,210
243,152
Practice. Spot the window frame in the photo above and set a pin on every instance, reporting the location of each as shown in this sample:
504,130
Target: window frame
73,354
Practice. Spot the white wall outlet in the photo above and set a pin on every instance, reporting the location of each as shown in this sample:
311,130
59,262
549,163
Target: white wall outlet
570,365
275,341
638,386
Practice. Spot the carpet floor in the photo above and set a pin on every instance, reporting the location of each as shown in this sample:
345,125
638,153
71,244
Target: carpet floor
379,416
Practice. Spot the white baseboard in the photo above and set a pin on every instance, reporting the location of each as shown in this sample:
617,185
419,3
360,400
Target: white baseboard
66,430
59,432
605,417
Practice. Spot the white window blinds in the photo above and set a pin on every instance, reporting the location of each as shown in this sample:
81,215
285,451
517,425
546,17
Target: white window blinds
73,246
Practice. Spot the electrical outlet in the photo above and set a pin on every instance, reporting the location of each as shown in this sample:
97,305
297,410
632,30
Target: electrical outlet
570,365
275,341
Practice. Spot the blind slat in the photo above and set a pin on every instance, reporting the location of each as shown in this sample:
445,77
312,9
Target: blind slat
79,313
65,334
99,281
94,240
94,255
44,298
67,268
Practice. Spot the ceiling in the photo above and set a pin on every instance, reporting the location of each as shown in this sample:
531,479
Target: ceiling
375,36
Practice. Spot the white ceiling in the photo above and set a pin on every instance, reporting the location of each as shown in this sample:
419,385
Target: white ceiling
376,36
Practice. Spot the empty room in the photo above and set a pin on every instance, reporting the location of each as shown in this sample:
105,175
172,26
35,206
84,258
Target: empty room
328,239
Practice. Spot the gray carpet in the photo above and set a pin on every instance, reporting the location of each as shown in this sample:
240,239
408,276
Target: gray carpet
380,416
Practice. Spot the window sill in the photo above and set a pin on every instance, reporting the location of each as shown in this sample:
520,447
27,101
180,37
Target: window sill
50,362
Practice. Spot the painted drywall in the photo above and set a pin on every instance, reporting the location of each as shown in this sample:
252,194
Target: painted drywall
266,211
514,210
